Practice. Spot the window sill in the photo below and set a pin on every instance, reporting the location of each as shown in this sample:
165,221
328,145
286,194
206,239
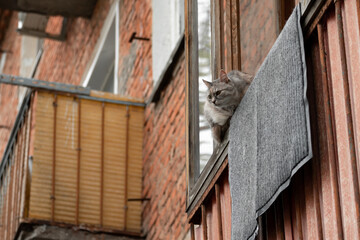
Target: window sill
208,177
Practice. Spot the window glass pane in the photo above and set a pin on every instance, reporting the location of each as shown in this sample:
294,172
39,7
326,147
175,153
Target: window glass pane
102,76
204,38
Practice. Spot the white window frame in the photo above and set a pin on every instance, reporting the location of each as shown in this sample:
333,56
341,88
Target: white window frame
113,13
163,55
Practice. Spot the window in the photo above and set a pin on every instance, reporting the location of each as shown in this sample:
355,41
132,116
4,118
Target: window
204,48
167,29
102,73
31,52
214,42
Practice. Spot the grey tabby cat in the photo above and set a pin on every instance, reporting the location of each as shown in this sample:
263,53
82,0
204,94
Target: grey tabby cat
224,95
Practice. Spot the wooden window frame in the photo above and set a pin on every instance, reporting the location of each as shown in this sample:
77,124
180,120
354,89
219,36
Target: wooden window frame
198,183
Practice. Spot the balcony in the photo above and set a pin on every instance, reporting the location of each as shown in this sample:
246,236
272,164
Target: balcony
76,161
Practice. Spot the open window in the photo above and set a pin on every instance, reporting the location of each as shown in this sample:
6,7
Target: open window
214,41
102,73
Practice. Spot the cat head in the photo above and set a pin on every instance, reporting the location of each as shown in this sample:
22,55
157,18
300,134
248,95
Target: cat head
222,92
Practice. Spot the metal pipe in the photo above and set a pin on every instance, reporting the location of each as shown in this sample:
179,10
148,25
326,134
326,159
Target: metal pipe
54,161
102,165
348,106
127,116
78,164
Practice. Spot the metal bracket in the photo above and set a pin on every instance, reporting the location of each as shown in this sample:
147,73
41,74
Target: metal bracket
133,36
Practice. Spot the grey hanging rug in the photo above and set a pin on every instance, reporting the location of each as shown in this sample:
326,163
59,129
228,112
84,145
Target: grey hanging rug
270,131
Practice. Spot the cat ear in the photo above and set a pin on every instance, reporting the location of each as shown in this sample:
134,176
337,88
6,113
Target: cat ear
208,84
223,76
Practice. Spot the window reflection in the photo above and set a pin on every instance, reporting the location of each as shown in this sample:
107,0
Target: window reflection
204,50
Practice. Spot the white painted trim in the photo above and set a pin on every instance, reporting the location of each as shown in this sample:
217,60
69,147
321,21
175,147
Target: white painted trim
113,13
116,64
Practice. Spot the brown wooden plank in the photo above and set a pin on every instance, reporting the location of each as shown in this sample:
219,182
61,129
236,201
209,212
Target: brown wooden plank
235,35
228,36
218,209
203,222
191,107
287,216
330,197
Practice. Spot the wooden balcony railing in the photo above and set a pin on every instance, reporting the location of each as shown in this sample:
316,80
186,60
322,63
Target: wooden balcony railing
73,160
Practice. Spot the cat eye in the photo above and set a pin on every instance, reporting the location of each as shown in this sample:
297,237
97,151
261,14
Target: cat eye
209,97
218,93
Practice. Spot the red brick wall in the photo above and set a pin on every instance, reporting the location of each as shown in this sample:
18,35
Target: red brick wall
164,170
164,215
8,94
164,162
135,62
66,61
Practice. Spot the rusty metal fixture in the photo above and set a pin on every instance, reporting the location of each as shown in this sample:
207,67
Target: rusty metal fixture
52,197
134,37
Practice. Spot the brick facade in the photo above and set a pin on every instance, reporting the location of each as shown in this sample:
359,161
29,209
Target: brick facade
164,170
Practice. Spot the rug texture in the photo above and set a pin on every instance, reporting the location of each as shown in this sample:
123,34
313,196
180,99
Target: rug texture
270,131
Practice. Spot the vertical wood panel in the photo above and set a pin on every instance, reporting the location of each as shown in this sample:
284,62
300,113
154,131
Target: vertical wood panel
136,122
349,193
327,140
218,210
227,35
225,201
66,159
287,214
90,170
40,202
235,35
204,222
352,43
114,166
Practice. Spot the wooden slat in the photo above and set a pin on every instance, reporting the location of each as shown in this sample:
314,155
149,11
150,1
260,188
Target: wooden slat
228,36
90,169
114,163
349,188
218,210
204,223
66,159
136,121
235,35
40,202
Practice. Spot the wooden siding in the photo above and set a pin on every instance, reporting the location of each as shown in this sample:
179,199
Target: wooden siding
85,169
110,162
322,201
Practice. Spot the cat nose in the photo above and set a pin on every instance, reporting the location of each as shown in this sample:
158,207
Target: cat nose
213,100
